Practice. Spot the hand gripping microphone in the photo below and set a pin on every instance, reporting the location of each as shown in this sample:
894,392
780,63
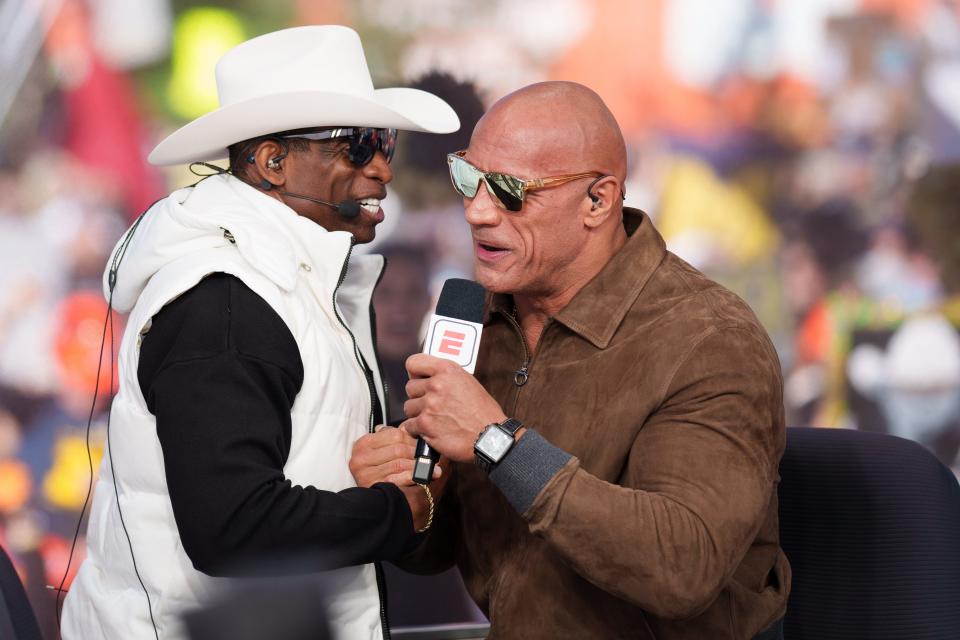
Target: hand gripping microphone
453,334
346,208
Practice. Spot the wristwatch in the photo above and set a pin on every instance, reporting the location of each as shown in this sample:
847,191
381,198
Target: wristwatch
494,442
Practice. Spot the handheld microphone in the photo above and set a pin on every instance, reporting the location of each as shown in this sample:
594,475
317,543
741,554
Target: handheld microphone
346,208
453,334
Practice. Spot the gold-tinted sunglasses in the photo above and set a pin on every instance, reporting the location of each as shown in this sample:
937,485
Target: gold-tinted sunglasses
506,190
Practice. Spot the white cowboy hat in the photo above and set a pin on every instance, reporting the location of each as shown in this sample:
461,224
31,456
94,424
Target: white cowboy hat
312,76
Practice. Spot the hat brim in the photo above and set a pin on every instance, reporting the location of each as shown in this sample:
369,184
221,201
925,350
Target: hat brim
208,137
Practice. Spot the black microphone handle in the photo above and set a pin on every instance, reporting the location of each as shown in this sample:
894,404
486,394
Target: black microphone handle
424,460
347,208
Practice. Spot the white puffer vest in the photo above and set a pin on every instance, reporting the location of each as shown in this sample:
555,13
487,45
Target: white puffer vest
323,294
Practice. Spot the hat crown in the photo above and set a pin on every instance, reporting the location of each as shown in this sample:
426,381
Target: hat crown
310,58
314,76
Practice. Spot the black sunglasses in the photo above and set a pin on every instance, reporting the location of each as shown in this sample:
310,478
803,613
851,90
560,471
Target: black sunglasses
364,142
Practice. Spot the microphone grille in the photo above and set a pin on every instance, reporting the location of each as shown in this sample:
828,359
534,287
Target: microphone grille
461,299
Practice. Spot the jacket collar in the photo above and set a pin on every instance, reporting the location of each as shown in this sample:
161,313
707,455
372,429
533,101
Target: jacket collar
263,229
222,210
599,307
278,242
269,235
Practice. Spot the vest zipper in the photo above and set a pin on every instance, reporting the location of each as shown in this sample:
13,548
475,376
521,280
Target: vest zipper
381,581
378,570
376,350
371,387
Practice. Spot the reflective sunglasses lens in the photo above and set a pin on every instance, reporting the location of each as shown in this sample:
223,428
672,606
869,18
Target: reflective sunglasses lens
388,142
360,154
465,177
507,189
366,142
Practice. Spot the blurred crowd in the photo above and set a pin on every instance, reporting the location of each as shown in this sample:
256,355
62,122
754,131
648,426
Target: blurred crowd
805,154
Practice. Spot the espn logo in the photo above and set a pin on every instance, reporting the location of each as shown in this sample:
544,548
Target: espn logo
451,342
455,340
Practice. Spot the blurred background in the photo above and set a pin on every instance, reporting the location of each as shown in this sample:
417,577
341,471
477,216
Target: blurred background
806,154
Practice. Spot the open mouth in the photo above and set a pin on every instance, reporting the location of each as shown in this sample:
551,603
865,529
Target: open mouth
490,251
370,205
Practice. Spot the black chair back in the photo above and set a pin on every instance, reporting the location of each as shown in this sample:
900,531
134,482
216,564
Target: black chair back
17,620
871,526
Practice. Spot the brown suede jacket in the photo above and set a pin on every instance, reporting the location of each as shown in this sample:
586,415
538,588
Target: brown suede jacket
641,502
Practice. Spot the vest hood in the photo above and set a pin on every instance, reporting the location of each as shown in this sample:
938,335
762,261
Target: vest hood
214,213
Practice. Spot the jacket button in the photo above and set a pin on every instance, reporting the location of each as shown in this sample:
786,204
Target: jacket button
305,266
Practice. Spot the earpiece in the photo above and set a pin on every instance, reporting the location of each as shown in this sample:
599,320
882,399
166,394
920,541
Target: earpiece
266,185
273,163
594,198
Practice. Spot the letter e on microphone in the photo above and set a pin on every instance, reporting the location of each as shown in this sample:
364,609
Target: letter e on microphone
451,342
456,340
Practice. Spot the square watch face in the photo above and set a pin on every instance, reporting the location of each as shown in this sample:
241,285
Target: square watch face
494,443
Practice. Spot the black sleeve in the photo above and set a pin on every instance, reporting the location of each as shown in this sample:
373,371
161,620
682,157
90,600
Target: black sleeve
220,371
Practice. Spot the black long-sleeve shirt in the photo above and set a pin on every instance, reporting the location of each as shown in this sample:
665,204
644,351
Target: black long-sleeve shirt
220,371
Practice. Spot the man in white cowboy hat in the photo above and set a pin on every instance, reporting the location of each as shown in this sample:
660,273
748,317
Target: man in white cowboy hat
248,370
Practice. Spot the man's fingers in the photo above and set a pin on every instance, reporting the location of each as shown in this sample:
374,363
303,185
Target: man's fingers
410,424
375,456
402,479
412,408
384,436
405,478
416,388
421,365
399,472
416,365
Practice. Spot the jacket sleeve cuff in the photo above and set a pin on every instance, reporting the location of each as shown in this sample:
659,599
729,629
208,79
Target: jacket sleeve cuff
400,538
527,469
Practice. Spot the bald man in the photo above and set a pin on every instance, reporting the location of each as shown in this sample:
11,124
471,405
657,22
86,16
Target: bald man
614,461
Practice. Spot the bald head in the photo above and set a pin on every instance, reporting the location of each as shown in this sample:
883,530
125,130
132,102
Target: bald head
566,231
552,128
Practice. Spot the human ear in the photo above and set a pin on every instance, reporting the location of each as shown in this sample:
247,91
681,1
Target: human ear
605,195
267,161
